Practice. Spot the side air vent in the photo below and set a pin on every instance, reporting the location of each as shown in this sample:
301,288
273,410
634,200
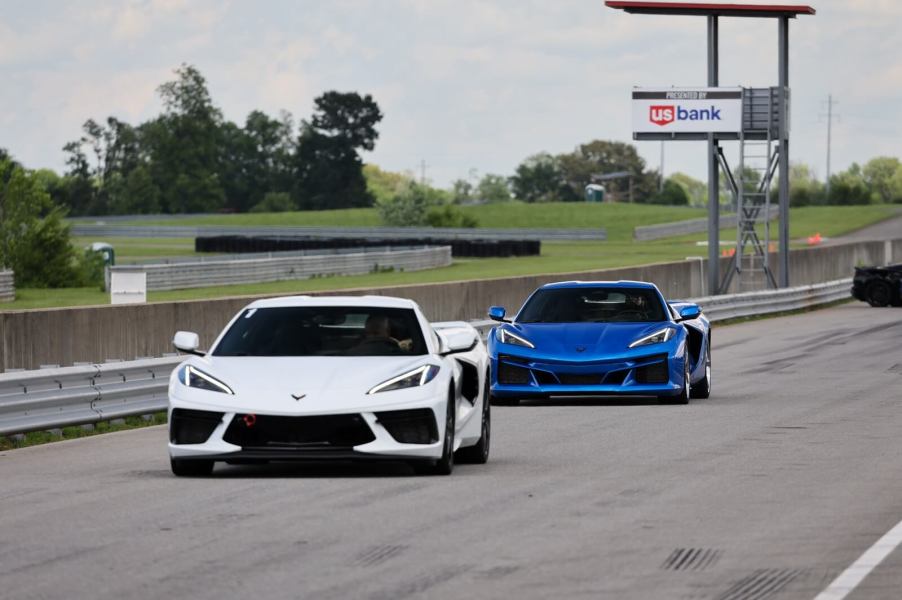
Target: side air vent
416,426
192,426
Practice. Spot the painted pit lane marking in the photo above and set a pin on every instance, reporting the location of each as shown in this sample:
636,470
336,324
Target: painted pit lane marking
849,579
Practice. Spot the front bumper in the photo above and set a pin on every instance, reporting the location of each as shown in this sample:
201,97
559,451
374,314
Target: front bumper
658,374
228,435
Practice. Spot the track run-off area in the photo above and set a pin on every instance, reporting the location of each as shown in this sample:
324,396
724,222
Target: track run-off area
771,488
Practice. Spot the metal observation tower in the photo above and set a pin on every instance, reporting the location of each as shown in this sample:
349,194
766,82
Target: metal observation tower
758,118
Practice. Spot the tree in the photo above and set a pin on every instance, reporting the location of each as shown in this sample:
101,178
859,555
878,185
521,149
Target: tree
184,145
461,191
34,241
538,179
695,189
410,205
849,187
349,117
384,184
601,157
804,188
672,194
879,174
493,188
328,171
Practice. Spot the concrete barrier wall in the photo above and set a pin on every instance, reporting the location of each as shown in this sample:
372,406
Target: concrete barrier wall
7,286
29,339
210,273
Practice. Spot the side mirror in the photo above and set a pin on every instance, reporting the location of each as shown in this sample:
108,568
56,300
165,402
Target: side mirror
496,313
689,312
443,344
187,341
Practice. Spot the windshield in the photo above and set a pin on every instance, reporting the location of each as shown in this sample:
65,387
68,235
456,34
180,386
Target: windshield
593,305
324,331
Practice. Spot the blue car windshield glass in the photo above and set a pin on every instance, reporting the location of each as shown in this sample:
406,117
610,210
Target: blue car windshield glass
324,331
593,305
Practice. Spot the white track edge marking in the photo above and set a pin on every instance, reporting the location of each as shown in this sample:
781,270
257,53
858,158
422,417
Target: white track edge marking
849,579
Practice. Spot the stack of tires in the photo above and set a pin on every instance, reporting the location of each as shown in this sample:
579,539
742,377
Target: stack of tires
478,248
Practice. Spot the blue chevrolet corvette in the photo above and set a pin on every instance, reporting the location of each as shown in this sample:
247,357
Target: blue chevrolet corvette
600,338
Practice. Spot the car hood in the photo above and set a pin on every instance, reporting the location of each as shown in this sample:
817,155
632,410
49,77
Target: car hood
584,340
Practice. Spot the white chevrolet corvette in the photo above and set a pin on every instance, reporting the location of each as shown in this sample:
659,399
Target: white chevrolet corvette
322,378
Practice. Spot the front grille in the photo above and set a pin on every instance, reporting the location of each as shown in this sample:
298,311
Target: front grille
274,432
653,373
579,379
512,374
192,426
416,426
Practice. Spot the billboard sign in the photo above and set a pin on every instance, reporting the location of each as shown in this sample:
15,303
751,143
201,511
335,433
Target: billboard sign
687,110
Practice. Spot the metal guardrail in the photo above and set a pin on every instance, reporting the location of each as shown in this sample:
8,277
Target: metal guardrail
7,286
82,229
59,397
749,304
647,233
228,271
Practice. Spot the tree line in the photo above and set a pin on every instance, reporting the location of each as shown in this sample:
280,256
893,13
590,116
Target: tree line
191,159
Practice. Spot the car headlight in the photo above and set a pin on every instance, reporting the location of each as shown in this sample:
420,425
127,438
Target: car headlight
417,377
195,378
507,337
657,337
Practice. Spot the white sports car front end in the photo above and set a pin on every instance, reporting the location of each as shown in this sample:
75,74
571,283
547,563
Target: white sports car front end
325,378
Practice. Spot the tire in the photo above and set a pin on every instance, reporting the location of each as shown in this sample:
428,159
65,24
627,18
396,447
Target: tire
878,293
191,467
478,454
444,465
702,389
683,397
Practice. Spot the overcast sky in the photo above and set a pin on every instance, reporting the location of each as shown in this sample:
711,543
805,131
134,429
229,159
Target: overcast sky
463,84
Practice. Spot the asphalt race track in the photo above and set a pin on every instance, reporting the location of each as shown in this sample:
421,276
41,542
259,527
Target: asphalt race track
770,489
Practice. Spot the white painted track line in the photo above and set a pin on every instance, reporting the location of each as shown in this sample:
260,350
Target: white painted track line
849,579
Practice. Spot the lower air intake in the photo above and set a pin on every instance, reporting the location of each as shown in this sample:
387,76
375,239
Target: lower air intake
192,426
512,375
415,426
262,432
653,373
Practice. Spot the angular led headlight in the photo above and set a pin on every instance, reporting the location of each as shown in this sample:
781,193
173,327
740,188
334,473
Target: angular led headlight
507,337
658,337
417,377
195,378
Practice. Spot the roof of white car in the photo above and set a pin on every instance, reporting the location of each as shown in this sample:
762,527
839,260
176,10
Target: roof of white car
367,301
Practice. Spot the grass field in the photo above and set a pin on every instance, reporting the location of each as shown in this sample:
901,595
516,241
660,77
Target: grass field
618,219
557,257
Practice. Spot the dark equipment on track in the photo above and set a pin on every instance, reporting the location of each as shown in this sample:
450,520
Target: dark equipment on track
878,286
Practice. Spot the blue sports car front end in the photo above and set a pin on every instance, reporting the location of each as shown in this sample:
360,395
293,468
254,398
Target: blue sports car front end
600,339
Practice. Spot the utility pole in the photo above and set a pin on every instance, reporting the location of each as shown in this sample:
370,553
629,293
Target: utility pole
830,115
661,182
423,166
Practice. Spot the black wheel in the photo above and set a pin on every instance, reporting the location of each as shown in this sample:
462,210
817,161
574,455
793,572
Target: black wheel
683,397
478,454
878,293
702,389
182,467
444,465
